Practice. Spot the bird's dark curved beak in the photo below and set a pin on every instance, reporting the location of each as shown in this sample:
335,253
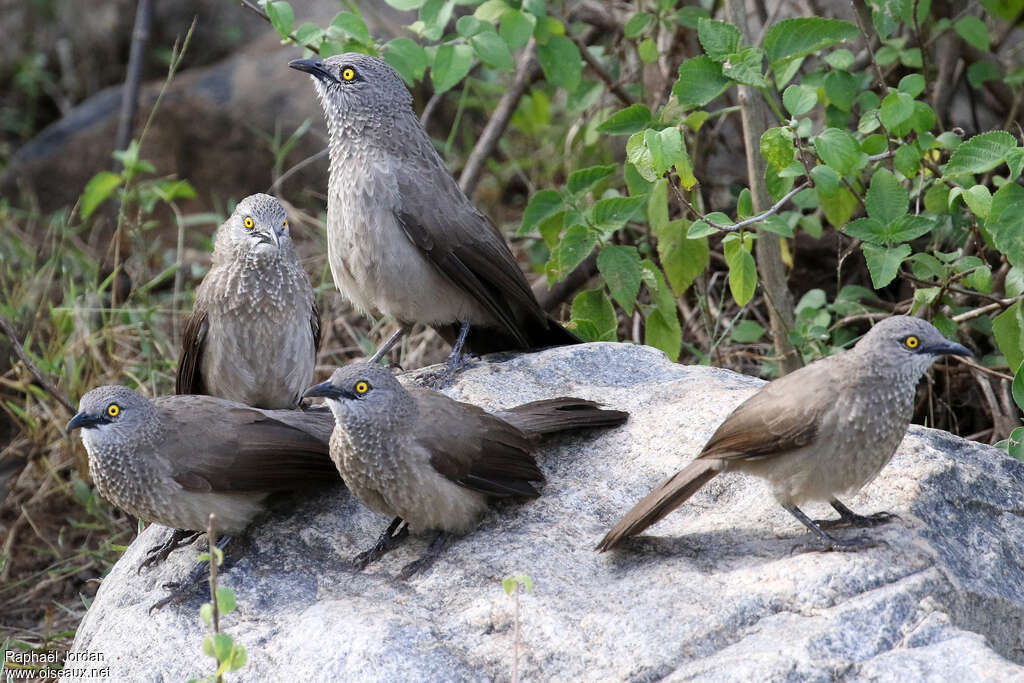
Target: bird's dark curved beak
327,390
83,421
314,67
947,348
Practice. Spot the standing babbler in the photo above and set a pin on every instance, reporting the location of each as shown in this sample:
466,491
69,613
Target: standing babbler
254,330
432,462
820,432
402,238
174,460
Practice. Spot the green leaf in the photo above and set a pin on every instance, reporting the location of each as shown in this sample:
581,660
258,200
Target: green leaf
982,71
683,259
238,657
309,34
647,50
626,121
206,613
907,160
612,213
516,28
542,204
744,204
468,26
902,229
620,267
700,81
798,100
281,16
492,50
742,275
841,89
561,61
225,599
660,333
666,147
980,154
912,84
973,30
836,201
593,307
746,332
1008,330
490,11
745,67
979,199
637,24
718,38
582,180
839,149
451,64
434,15
791,39
99,187
575,245
884,262
352,25
886,199
1015,162
840,59
1006,216
639,156
407,58
777,146
221,647
896,108
406,5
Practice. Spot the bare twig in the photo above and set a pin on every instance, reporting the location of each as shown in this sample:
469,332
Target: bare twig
747,221
981,368
988,308
130,92
258,11
596,67
858,7
8,330
495,128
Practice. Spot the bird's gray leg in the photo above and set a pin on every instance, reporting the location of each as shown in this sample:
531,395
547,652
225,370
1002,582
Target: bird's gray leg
830,542
390,343
455,359
159,553
441,541
849,518
388,541
197,577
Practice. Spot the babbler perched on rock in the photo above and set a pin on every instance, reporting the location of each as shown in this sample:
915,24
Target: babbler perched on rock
174,460
432,462
402,238
820,432
254,330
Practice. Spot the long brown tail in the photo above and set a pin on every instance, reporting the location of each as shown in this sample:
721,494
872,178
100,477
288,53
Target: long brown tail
561,414
669,495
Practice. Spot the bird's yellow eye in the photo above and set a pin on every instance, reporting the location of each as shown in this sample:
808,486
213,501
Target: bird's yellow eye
284,225
912,342
113,410
362,387
348,73
249,223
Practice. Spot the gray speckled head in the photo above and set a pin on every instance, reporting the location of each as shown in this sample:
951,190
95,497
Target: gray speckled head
367,393
906,343
357,91
258,227
114,415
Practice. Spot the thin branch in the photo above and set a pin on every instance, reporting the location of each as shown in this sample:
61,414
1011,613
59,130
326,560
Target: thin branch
747,221
596,67
857,6
8,330
981,368
498,122
258,11
130,92
986,309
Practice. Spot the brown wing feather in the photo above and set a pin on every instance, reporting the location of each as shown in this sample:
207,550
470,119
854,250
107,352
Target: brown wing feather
474,448
228,447
464,245
189,379
782,416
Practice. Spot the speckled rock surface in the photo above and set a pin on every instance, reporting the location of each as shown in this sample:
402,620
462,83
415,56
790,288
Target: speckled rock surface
720,590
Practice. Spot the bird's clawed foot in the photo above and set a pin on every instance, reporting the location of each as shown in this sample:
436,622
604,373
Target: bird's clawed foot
849,518
387,542
179,590
159,553
828,541
436,547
